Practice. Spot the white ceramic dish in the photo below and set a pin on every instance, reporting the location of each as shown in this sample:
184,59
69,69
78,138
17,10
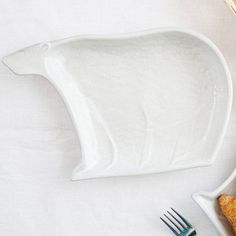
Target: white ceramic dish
208,203
141,103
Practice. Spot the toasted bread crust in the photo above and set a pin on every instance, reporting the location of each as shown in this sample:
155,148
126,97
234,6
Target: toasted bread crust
228,207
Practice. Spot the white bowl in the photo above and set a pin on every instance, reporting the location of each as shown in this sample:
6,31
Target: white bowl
141,103
208,202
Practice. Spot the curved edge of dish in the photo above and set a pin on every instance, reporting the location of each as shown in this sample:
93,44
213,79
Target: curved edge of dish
208,203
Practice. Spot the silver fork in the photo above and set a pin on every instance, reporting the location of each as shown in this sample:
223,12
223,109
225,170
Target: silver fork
178,224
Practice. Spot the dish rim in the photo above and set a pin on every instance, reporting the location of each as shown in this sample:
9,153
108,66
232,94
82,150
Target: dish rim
213,195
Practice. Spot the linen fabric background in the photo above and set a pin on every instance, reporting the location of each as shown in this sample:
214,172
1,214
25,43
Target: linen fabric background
38,144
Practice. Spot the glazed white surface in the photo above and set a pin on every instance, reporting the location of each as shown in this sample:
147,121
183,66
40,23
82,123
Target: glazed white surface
144,102
39,147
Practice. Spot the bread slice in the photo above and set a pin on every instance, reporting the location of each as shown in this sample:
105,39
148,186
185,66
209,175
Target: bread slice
228,207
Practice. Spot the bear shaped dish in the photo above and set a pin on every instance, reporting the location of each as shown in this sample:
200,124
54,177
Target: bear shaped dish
141,103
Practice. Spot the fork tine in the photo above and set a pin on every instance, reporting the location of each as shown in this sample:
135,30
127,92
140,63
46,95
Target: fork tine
182,218
173,222
184,227
170,227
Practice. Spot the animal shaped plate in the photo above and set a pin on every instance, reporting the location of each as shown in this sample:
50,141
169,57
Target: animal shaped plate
142,102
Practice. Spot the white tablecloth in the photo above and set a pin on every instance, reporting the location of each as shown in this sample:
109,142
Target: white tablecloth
38,144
